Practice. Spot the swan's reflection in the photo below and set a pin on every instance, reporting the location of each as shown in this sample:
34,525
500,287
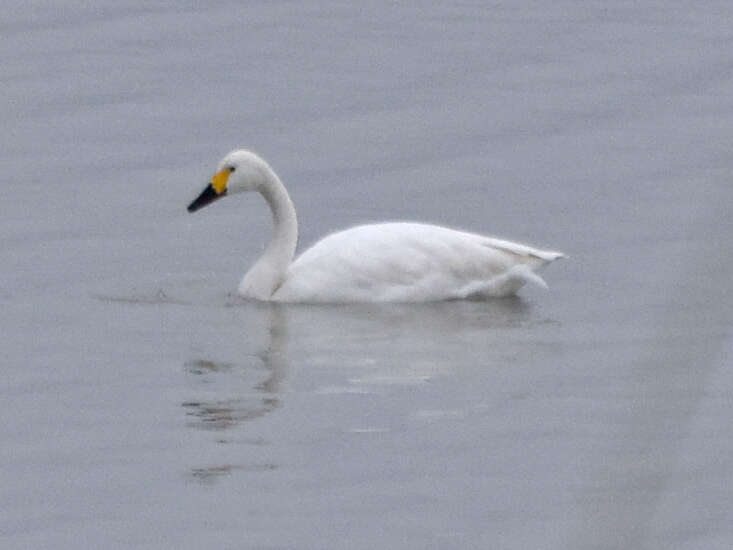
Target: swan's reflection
358,346
347,349
233,393
225,413
211,473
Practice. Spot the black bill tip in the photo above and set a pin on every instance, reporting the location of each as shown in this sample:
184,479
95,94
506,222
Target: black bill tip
207,196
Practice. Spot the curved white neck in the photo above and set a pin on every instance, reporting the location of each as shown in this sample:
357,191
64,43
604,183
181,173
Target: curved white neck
268,273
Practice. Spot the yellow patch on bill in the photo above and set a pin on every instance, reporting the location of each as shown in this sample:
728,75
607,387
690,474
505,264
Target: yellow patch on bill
219,181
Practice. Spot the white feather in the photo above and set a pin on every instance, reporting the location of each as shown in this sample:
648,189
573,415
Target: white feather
409,262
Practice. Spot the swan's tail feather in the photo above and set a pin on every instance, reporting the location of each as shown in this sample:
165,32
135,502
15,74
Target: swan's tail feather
523,250
549,256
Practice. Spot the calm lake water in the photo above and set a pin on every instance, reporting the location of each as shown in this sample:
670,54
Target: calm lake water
144,405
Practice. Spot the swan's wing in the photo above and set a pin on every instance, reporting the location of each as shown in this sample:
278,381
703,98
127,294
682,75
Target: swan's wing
405,262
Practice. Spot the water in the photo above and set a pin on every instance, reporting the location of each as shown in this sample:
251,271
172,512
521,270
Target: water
144,406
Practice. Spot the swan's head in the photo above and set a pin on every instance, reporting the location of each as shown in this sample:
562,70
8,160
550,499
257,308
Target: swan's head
238,171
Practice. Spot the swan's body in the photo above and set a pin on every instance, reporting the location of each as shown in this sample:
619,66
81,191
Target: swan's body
387,262
408,262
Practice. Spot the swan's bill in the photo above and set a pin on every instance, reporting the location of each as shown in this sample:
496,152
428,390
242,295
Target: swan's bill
216,189
207,196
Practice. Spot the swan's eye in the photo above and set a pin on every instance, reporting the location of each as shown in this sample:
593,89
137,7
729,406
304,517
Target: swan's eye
232,169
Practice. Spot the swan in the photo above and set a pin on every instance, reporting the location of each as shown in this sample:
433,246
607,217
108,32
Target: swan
383,262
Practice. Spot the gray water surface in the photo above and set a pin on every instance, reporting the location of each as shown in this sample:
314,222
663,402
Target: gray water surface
144,405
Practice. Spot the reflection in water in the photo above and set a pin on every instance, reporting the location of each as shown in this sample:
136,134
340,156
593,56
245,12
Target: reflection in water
380,345
350,349
232,393
211,473
224,413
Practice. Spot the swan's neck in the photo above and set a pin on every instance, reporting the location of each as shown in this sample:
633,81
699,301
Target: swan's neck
281,248
265,276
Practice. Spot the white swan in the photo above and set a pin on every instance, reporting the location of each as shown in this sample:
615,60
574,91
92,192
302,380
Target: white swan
386,262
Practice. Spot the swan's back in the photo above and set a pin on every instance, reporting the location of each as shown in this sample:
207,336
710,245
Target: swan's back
409,262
